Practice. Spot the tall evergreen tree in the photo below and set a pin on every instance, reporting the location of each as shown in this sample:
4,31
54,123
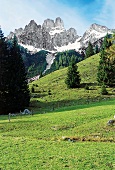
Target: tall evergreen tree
3,74
106,70
18,90
89,50
14,92
73,76
106,44
111,72
102,74
96,49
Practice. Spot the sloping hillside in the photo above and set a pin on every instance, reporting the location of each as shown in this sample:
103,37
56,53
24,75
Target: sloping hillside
51,91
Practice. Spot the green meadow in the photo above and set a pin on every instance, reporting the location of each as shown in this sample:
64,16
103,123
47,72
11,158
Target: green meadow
69,138
68,129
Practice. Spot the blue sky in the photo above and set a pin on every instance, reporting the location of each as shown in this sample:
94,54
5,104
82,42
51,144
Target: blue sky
79,14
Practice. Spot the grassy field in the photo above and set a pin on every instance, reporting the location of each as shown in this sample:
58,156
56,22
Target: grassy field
74,137
71,134
61,96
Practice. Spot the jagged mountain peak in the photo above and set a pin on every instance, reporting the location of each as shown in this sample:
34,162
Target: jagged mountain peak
52,35
94,33
32,26
32,22
48,23
98,28
49,36
59,22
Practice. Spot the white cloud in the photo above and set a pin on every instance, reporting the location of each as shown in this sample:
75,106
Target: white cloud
106,16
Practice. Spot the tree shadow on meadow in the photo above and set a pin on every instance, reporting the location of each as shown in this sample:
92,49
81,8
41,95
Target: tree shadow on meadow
67,105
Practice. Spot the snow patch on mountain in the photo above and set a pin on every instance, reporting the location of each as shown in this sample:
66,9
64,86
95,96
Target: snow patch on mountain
71,46
34,50
76,45
49,59
30,48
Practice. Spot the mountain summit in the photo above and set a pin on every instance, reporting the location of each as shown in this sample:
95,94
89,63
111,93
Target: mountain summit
52,36
94,33
49,36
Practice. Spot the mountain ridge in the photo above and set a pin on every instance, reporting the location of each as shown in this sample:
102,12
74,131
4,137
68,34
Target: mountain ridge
47,36
52,36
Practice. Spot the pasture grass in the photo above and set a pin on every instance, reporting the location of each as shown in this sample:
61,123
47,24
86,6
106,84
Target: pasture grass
71,134
61,96
74,137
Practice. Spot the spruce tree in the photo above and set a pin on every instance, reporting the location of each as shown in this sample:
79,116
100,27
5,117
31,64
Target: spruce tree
89,50
19,92
96,49
105,43
41,75
111,72
102,68
73,77
14,92
3,74
106,70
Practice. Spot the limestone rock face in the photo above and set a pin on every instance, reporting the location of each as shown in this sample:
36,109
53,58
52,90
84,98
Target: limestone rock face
48,24
17,32
72,35
94,33
31,35
48,36
59,23
52,35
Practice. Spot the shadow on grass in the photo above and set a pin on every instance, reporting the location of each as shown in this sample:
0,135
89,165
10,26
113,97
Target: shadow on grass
66,105
39,107
57,106
38,95
89,84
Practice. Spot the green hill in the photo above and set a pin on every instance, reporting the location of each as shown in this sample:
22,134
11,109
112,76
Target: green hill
51,91
72,135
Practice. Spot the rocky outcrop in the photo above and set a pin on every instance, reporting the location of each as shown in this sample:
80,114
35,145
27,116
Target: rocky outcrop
59,23
48,24
93,34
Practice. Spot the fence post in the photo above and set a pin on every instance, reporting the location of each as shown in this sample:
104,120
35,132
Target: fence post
9,116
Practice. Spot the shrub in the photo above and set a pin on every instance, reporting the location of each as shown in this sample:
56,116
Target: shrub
104,90
86,87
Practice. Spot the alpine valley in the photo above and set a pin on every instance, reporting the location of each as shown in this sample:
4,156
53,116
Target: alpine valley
48,47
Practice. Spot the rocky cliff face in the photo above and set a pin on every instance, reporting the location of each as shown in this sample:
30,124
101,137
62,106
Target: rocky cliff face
48,36
93,34
52,36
